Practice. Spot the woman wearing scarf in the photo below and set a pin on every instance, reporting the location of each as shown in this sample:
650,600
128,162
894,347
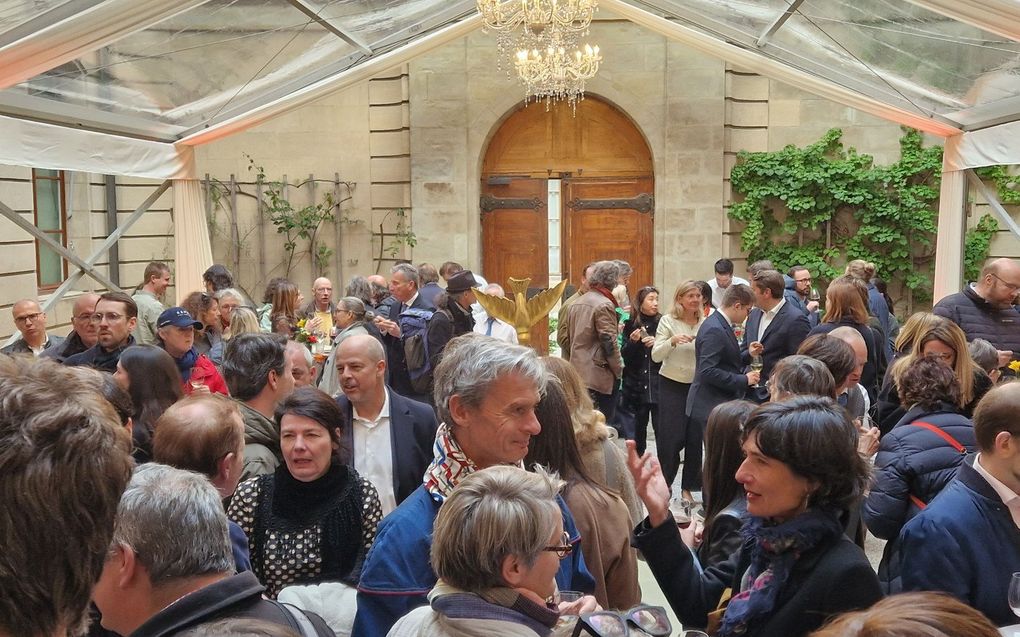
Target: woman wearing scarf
175,329
796,568
312,521
496,548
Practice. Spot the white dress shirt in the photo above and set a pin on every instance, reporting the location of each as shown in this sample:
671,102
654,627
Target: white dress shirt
767,317
1009,497
717,292
500,329
373,453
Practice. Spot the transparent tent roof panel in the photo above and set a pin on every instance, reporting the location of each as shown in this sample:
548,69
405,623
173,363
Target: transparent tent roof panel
14,13
892,50
188,69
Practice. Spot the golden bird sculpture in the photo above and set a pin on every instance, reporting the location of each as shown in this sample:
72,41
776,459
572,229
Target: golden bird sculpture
520,311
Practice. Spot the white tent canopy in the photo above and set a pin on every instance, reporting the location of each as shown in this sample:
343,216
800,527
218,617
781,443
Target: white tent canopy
131,86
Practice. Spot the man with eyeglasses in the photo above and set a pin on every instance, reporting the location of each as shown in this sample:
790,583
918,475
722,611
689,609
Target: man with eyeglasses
798,292
31,322
115,317
984,309
84,333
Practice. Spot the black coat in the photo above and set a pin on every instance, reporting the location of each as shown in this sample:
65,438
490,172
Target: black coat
412,433
978,319
640,372
719,375
834,578
782,338
238,596
875,366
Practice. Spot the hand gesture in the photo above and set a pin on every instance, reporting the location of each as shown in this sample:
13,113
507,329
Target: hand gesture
753,378
649,483
648,341
867,443
587,604
635,335
1005,356
756,348
388,327
680,339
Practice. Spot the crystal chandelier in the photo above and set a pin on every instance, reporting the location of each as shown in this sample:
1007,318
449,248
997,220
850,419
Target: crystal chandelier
536,24
554,74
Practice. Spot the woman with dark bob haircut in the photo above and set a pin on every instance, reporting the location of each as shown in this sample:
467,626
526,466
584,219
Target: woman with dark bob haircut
313,520
912,615
796,567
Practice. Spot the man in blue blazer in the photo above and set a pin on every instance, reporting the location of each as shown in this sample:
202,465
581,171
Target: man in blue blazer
719,371
775,328
390,437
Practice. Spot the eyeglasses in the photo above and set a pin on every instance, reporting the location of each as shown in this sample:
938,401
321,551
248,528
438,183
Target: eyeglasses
651,620
1011,286
35,316
85,318
111,317
942,356
564,549
808,279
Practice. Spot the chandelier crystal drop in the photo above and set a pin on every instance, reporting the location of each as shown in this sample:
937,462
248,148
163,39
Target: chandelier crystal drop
554,74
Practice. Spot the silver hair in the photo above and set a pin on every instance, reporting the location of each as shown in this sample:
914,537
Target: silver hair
174,522
625,269
604,274
355,306
472,362
495,289
409,271
492,514
847,334
305,352
799,375
984,354
232,293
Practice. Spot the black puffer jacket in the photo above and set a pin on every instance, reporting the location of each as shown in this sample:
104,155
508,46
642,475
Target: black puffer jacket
912,461
640,372
978,319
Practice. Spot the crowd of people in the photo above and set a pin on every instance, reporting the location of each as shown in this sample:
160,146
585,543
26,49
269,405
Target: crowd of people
392,462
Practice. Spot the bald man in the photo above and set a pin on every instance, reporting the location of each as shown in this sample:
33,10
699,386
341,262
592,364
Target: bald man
390,437
984,309
84,333
321,306
31,322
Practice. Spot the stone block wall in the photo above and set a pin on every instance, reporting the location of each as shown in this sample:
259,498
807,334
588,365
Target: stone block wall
151,238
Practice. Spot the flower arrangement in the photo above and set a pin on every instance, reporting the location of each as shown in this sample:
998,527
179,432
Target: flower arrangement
1015,366
302,335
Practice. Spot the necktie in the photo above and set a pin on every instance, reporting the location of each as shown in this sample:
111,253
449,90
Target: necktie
488,326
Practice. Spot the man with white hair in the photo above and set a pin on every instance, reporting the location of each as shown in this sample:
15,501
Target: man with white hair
486,392
492,326
170,565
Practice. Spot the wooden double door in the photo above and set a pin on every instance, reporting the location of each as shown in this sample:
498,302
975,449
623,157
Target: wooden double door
599,218
606,204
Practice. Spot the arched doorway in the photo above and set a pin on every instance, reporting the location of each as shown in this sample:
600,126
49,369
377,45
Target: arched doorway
560,190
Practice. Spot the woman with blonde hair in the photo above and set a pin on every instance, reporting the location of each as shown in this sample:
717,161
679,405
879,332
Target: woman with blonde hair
243,321
945,341
602,458
845,306
924,614
674,348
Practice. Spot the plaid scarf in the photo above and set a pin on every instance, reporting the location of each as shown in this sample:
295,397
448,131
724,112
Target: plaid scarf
773,556
449,465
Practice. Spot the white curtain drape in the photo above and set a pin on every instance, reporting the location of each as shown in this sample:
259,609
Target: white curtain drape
192,250
38,145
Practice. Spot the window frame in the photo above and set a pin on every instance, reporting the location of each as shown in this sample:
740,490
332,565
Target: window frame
61,179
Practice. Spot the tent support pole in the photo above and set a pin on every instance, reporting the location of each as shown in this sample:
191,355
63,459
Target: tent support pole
950,236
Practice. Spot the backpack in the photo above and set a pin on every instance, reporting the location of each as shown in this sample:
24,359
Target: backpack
414,330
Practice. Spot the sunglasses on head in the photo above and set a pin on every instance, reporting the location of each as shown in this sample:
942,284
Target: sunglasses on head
649,620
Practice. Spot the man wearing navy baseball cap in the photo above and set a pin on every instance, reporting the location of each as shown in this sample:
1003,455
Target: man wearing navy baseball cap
175,332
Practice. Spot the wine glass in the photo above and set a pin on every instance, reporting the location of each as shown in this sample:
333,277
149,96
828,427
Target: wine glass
1014,594
813,295
197,378
757,364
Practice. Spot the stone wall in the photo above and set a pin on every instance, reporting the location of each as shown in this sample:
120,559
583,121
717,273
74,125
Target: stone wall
674,95
151,238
